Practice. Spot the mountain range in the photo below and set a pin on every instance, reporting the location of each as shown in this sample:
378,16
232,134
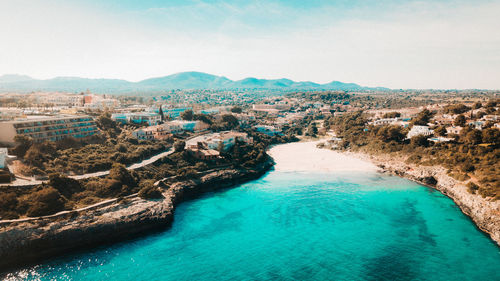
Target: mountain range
182,80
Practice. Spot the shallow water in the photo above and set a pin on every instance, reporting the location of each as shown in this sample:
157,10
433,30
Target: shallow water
299,226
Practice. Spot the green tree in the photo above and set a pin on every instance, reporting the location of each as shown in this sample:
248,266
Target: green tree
312,130
473,137
236,109
229,121
419,140
120,173
105,122
66,186
179,146
187,115
204,118
23,143
393,114
440,131
422,118
460,121
149,190
44,202
491,135
34,156
391,133
456,108
162,116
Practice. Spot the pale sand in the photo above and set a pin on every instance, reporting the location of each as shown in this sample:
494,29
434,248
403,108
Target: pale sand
306,157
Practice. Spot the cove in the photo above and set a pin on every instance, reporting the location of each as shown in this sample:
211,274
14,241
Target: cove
298,226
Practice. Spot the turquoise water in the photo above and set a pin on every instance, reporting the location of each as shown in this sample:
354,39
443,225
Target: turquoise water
296,226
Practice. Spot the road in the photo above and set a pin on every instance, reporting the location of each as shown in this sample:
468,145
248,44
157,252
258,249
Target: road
27,182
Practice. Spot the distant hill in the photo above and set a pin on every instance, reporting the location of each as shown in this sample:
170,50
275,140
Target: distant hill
9,78
182,80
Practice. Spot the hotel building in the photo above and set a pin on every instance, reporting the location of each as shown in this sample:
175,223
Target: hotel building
48,128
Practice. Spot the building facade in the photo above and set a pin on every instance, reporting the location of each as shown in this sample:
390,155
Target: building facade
48,128
149,118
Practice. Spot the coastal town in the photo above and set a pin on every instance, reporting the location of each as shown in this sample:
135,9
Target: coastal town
69,154
221,140
86,120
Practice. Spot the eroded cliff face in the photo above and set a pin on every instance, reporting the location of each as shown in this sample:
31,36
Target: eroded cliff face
28,242
485,212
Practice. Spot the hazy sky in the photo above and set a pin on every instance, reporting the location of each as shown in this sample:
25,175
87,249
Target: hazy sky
397,44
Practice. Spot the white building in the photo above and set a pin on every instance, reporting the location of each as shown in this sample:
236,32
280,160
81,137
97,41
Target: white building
385,121
10,113
419,131
453,130
143,134
157,132
3,156
213,141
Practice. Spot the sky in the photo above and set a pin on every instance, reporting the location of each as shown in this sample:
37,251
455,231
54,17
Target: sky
441,44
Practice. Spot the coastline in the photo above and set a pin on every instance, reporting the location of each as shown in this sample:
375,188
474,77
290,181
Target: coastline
28,242
306,157
484,213
24,243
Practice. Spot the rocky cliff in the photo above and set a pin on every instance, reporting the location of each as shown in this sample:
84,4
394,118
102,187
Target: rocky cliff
485,212
27,242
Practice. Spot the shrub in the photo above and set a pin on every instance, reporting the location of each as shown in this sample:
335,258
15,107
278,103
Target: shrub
5,178
66,186
120,173
419,140
44,202
472,187
149,190
106,187
179,146
393,114
8,201
187,173
467,167
201,166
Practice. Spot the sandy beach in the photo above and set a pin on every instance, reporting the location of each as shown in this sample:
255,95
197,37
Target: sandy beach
306,157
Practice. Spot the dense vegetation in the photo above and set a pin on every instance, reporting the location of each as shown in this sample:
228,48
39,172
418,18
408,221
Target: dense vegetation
49,157
98,153
472,155
63,193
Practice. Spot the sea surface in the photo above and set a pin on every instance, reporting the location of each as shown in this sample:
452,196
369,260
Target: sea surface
298,226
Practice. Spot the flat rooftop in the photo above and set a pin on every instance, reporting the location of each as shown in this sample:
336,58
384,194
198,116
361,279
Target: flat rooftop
31,118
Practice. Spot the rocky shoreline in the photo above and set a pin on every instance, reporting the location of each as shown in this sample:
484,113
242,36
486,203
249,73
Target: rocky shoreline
484,212
28,242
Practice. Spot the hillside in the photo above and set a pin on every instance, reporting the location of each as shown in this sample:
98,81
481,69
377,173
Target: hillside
182,80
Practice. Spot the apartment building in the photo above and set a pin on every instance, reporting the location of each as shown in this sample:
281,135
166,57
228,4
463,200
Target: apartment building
189,126
149,118
174,112
48,128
